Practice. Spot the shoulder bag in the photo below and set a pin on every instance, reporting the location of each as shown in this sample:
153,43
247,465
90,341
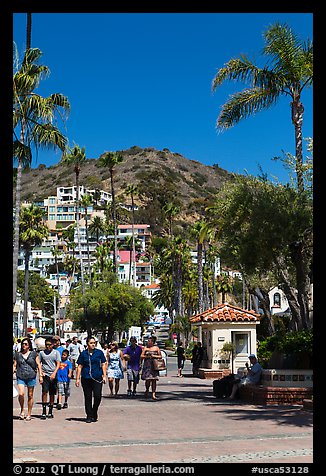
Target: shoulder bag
159,364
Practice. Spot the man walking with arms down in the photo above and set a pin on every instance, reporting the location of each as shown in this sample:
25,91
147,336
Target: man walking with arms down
132,355
75,348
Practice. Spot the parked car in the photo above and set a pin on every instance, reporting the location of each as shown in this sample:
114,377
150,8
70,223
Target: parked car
163,373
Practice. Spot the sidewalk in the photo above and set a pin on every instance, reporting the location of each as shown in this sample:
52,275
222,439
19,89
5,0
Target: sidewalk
186,425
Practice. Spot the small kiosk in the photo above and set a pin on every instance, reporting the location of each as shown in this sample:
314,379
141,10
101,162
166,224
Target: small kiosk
228,336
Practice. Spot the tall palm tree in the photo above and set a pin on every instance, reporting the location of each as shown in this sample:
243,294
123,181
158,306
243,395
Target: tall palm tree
199,230
177,259
111,160
57,253
170,211
33,117
291,70
32,231
85,202
132,190
76,156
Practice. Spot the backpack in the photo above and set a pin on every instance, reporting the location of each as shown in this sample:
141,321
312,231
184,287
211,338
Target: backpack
222,387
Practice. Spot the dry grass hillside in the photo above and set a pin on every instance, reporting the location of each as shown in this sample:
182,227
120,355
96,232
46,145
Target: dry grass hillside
160,176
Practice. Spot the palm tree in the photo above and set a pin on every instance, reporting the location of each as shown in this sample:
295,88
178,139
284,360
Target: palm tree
224,285
110,160
33,117
97,226
76,156
177,259
200,230
291,71
85,202
170,211
32,231
56,253
132,190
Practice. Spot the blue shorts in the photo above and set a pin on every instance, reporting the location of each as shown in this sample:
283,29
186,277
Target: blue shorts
28,382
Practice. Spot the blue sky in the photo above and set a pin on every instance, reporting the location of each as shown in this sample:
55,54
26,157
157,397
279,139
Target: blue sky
145,79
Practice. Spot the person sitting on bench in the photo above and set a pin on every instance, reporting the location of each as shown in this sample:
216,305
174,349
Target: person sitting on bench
253,376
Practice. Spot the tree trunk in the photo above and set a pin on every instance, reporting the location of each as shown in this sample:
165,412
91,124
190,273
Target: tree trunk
133,241
200,277
114,216
25,317
264,302
297,120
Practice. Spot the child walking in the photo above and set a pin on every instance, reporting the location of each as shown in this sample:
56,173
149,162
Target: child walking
63,377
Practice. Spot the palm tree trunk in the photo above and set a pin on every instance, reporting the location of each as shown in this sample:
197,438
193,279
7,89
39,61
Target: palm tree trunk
17,216
297,120
29,31
133,241
200,277
78,234
25,317
114,216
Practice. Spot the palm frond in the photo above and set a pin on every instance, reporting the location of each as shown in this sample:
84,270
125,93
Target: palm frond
22,153
239,69
242,105
49,136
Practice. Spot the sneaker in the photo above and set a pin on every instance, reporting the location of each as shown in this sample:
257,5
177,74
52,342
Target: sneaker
43,416
50,415
58,406
65,405
129,393
89,420
134,393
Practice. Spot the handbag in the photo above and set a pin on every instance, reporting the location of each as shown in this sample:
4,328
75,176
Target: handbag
159,364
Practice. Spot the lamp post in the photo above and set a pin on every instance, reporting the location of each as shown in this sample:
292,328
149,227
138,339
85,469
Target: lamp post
54,304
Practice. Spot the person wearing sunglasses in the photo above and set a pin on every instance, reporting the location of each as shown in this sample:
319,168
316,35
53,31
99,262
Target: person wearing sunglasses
50,362
26,365
91,372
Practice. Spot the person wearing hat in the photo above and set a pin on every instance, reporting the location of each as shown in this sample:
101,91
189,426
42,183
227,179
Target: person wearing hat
253,376
132,355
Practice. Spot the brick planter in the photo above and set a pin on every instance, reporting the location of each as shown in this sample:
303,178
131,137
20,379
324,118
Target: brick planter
264,395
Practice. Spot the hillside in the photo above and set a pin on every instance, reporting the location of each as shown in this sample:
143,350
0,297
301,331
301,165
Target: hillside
161,176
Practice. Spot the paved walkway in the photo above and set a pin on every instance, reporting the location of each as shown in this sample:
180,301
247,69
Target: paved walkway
186,425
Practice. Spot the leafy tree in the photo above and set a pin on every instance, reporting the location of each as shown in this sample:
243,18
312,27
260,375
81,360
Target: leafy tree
38,289
291,70
260,226
33,118
110,308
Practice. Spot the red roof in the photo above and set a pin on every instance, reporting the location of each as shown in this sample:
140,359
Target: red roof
152,286
226,313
